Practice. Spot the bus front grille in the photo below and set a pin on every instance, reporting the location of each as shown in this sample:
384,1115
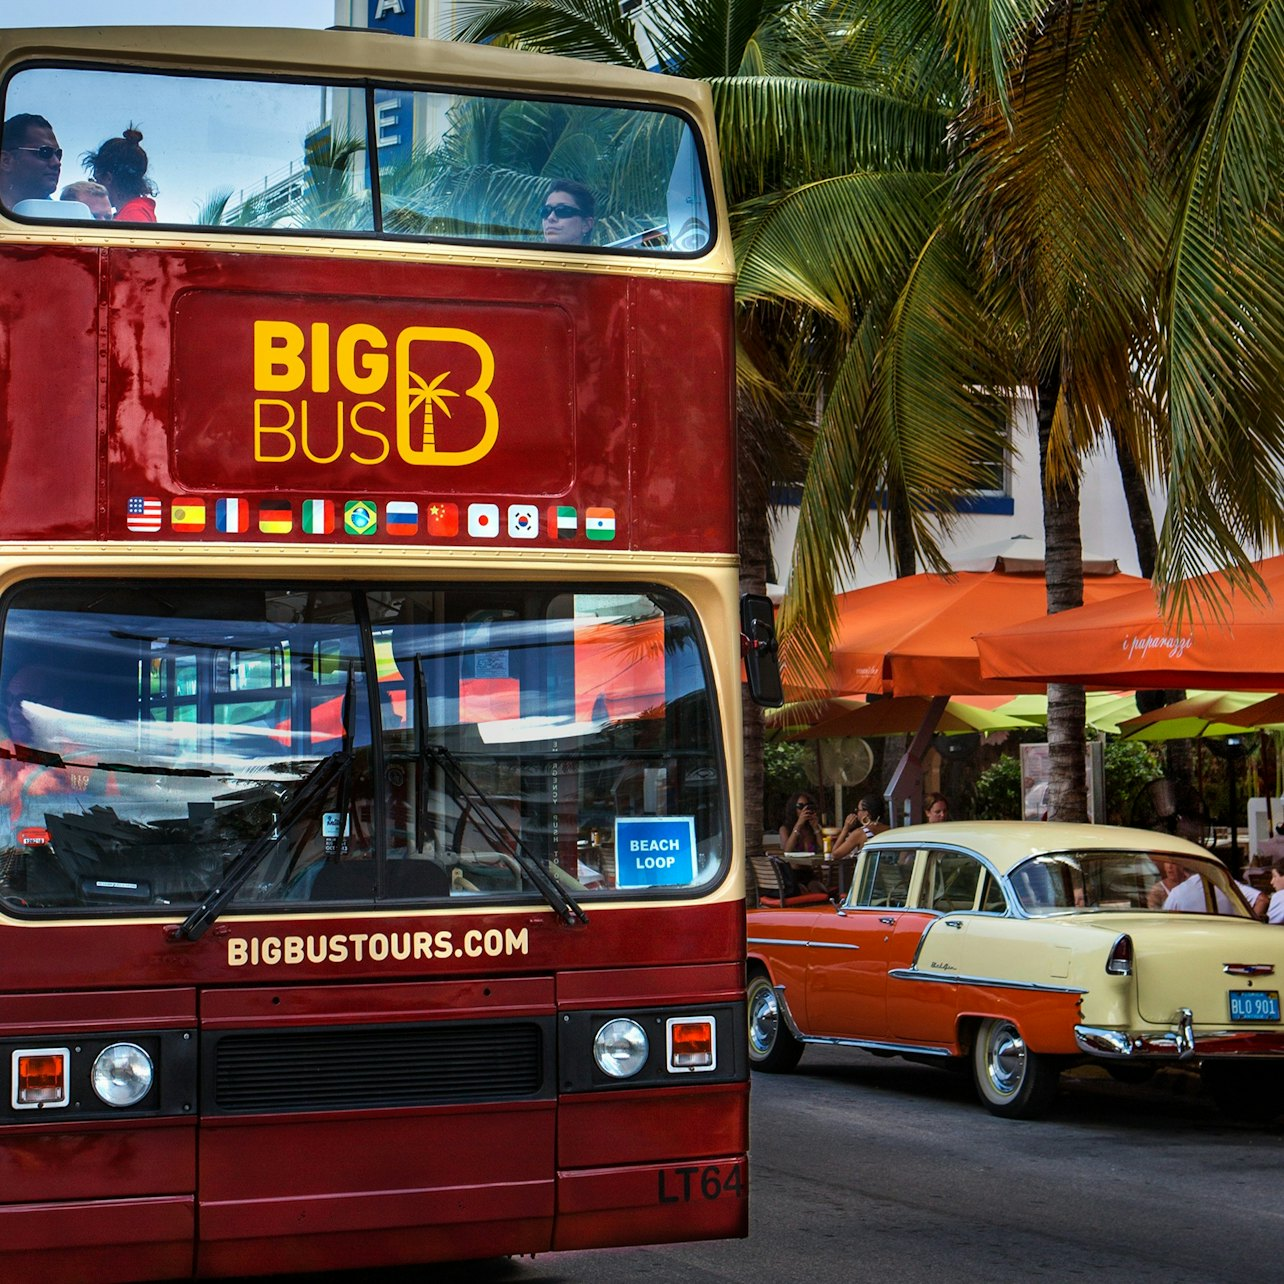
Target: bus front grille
366,1067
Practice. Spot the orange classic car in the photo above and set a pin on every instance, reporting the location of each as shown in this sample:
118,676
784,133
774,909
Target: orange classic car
1021,949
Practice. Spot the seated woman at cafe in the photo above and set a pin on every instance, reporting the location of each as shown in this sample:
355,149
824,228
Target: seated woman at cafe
801,835
860,826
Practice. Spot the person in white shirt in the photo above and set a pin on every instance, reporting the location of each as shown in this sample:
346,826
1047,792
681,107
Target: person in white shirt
1275,912
1189,897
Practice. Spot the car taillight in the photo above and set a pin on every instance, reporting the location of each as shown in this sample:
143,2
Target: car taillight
691,1042
1119,962
40,1078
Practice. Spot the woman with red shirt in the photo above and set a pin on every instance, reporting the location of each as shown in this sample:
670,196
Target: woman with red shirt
120,165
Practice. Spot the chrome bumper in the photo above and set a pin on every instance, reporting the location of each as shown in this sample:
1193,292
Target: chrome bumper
1179,1042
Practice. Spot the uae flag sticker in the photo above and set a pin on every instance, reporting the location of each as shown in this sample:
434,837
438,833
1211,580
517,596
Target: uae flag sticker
562,522
318,516
599,523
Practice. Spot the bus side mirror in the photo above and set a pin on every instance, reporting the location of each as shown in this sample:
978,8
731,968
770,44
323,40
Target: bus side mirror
758,649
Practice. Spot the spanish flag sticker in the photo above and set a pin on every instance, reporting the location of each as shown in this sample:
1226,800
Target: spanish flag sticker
187,515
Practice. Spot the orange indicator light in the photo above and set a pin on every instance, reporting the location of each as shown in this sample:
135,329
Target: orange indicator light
691,1043
40,1078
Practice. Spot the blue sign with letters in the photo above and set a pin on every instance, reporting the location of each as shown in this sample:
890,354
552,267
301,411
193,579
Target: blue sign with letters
655,851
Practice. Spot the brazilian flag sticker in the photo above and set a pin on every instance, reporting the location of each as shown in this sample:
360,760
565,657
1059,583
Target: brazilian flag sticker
360,517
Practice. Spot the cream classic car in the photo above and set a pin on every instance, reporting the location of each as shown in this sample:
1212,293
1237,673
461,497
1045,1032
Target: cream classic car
1021,949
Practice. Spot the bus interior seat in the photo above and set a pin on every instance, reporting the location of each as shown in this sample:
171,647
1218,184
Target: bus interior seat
60,210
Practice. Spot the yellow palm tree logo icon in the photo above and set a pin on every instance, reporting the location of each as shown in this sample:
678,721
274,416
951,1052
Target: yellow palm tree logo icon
431,396
415,432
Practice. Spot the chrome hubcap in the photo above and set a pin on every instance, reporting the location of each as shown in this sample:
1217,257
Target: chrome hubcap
764,1019
1006,1059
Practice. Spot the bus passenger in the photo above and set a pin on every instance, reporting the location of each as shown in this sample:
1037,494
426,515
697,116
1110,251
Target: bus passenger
568,213
30,160
120,165
94,195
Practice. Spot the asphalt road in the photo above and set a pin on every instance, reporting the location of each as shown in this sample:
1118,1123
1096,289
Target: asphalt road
871,1169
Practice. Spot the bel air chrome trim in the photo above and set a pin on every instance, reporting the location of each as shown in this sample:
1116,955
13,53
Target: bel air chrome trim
990,982
811,945
870,1045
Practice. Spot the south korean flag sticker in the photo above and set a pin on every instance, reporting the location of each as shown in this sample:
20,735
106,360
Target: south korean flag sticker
523,521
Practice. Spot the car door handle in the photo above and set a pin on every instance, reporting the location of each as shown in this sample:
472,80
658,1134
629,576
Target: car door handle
889,920
955,923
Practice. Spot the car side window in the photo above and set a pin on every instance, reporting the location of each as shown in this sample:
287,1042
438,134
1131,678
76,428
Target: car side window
952,881
884,880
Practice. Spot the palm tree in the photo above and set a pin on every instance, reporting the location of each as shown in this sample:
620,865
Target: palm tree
818,144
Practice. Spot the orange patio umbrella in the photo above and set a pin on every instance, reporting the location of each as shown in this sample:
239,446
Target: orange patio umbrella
1126,642
914,636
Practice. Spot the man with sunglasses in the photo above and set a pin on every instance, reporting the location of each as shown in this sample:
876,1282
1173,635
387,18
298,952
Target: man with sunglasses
567,214
30,160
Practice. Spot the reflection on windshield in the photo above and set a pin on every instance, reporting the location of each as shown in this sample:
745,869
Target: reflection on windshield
244,154
1125,880
154,733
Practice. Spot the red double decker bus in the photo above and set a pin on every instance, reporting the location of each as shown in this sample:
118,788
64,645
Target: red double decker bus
370,880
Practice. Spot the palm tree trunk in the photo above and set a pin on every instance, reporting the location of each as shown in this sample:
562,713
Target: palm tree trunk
1063,569
1138,500
755,548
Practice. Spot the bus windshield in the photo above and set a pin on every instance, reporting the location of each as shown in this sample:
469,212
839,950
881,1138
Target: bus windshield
395,743
241,155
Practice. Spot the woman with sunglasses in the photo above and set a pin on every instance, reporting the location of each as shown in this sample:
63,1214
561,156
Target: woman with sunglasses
860,826
568,213
800,829
120,165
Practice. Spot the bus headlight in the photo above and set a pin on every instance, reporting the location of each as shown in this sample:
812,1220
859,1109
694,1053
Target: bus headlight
122,1074
620,1048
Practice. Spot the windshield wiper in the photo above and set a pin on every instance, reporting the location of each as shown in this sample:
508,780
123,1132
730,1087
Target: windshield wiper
486,816
314,787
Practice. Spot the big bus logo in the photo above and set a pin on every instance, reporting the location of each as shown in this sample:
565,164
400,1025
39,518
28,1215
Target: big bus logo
429,377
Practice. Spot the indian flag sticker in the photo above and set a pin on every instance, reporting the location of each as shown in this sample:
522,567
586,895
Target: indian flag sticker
599,523
360,517
318,516
401,517
562,522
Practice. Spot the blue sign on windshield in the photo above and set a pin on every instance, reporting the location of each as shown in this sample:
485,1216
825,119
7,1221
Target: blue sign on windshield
655,851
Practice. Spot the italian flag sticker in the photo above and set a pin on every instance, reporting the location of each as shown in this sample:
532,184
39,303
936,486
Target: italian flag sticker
318,516
599,523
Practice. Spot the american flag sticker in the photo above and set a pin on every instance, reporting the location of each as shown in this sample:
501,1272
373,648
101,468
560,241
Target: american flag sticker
599,523
401,517
318,516
232,516
143,513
